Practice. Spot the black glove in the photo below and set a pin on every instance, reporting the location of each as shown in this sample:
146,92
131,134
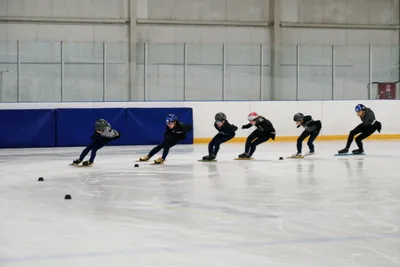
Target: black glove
378,126
117,137
246,126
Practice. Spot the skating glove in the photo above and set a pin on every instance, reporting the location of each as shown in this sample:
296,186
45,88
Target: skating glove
246,126
187,128
378,126
117,137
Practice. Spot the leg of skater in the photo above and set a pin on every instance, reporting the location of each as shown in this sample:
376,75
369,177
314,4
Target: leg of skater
310,142
367,132
96,146
84,153
214,145
299,143
222,139
152,152
170,143
352,133
251,138
257,142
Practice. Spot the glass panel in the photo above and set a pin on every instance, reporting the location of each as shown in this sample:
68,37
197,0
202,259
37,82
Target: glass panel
267,80
8,52
315,72
8,83
385,69
140,53
204,72
83,82
40,77
140,81
83,74
40,82
165,71
352,72
165,82
288,73
83,53
243,72
40,52
117,76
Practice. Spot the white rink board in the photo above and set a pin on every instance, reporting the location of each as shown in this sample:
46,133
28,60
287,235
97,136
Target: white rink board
338,117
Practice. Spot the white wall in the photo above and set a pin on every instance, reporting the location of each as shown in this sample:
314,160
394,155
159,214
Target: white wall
338,117
352,72
53,31
341,11
204,81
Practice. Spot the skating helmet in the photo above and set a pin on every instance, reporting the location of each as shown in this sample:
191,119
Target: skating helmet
359,107
252,116
170,118
298,116
220,116
100,124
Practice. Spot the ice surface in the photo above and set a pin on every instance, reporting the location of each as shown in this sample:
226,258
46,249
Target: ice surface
322,211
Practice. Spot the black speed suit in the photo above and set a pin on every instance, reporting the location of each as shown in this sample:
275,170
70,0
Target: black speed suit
225,133
368,126
171,138
312,129
265,130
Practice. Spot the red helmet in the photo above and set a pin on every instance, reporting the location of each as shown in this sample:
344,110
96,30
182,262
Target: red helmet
252,116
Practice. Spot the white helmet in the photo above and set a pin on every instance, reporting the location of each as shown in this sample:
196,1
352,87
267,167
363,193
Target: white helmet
252,116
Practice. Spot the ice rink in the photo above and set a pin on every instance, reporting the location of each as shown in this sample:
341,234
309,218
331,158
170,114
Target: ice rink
322,211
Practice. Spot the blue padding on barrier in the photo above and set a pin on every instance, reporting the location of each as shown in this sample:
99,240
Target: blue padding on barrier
76,126
27,128
147,125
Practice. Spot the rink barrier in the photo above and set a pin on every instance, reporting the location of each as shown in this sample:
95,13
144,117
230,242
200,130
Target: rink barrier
28,128
25,128
375,136
337,117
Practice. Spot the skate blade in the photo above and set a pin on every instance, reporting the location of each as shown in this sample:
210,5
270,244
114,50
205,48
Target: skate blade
244,158
203,160
348,154
83,166
157,163
75,165
296,157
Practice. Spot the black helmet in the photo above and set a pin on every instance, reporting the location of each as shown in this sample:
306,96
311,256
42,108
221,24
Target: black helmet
220,116
100,124
298,116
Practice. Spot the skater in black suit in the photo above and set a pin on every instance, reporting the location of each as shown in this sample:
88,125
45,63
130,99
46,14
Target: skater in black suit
368,126
226,132
265,130
175,132
311,130
102,135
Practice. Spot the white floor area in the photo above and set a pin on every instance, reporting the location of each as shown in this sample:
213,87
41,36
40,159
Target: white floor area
323,211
